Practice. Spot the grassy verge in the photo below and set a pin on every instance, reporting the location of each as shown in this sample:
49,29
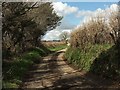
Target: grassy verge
99,59
14,70
58,47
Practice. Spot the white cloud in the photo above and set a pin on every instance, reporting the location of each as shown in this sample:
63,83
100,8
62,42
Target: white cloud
84,13
105,13
99,12
89,13
63,8
54,34
113,7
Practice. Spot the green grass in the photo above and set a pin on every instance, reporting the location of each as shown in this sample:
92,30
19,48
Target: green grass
13,71
57,48
99,59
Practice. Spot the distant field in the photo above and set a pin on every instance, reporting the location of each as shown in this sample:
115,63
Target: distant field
52,43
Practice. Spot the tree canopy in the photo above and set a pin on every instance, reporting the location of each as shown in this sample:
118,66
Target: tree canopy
24,23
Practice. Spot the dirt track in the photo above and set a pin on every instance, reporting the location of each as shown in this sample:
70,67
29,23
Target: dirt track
54,73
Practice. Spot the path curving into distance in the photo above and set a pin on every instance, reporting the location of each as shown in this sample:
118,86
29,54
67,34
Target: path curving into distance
54,73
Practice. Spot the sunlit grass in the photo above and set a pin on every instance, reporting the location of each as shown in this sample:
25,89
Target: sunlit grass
84,59
58,47
102,59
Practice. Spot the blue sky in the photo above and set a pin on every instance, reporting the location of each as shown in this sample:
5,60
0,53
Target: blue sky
74,14
92,6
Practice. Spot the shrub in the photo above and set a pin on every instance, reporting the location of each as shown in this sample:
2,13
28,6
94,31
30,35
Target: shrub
99,59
